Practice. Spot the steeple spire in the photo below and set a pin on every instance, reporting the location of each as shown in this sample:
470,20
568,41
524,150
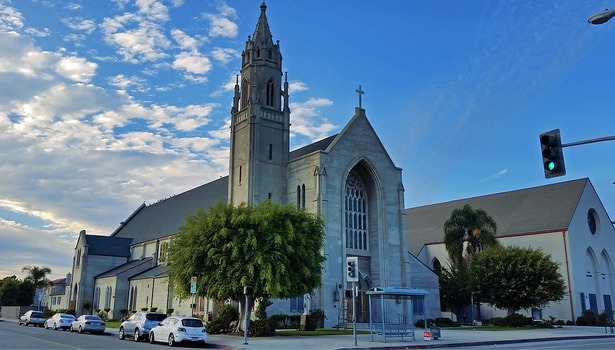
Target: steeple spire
262,35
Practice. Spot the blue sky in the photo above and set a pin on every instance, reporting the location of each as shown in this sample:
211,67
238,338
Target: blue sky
109,104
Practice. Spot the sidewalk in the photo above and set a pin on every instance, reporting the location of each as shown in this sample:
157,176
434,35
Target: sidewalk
450,338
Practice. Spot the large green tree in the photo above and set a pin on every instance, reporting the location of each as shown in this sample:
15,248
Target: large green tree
275,249
467,232
516,278
14,292
455,292
37,275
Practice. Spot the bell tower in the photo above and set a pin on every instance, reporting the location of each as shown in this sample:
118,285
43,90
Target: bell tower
260,122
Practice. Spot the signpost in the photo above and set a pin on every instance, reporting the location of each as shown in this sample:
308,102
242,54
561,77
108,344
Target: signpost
193,292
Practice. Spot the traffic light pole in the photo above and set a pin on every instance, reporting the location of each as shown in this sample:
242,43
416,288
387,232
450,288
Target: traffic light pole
354,312
584,142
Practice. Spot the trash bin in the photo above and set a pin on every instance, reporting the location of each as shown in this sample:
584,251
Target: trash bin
435,332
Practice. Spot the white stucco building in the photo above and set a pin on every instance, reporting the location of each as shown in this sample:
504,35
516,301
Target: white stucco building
566,220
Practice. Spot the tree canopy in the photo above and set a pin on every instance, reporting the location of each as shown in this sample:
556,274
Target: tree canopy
516,278
37,275
471,228
275,249
455,291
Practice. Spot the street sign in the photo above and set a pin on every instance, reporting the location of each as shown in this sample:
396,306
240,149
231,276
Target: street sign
193,285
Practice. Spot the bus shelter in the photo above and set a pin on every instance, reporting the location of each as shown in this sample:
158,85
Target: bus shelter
386,311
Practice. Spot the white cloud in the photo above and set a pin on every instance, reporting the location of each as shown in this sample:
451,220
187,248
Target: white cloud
184,41
192,62
224,55
222,26
10,19
76,69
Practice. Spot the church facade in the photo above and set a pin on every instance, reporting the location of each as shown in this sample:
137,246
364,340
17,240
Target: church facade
348,179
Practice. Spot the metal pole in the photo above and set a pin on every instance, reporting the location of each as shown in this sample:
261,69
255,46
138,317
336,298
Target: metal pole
247,323
600,139
355,291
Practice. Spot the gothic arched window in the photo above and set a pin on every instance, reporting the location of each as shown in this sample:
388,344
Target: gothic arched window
355,212
270,93
244,93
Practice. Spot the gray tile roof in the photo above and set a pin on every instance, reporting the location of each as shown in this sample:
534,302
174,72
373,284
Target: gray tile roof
527,210
316,146
108,246
164,218
154,272
125,267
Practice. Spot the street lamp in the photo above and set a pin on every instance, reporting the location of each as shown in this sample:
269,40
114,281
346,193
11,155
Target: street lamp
601,17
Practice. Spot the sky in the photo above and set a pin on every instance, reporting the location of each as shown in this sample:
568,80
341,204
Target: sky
108,104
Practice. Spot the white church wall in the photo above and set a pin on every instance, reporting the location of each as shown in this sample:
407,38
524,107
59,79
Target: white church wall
591,254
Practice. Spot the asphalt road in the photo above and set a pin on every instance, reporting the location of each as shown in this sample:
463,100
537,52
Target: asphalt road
13,336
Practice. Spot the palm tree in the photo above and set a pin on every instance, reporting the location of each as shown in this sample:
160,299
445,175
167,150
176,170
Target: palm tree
467,232
37,275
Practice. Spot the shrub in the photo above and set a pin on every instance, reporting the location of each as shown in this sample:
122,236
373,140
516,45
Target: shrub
516,320
285,321
144,309
559,323
153,309
315,319
218,326
262,328
421,323
170,311
588,319
123,312
601,319
446,322
227,313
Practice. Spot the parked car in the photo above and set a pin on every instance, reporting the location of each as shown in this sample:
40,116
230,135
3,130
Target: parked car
139,324
59,321
32,317
174,330
88,323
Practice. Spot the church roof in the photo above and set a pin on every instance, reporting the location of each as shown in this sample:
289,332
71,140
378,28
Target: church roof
125,267
163,218
158,271
108,246
313,147
528,210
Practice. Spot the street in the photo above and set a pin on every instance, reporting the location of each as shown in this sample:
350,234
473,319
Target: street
20,337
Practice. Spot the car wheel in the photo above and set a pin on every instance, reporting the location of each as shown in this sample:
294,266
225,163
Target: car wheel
122,335
80,329
171,340
55,326
137,335
25,324
151,337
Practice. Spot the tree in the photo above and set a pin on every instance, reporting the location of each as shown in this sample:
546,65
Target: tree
37,275
474,229
516,278
9,292
275,249
455,292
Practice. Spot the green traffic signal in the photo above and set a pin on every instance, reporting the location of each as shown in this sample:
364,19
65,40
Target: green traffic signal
552,155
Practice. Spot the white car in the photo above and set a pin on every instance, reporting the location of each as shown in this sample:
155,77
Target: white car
59,321
88,323
32,317
174,330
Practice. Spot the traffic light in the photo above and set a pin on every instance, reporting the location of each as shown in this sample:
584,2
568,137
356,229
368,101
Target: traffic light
552,154
352,263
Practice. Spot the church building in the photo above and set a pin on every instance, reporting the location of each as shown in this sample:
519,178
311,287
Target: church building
348,179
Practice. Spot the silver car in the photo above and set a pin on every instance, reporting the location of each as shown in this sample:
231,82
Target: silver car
32,317
139,324
88,323
174,330
59,321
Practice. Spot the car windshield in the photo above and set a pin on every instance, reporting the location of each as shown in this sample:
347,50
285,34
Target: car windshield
36,314
155,317
191,322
